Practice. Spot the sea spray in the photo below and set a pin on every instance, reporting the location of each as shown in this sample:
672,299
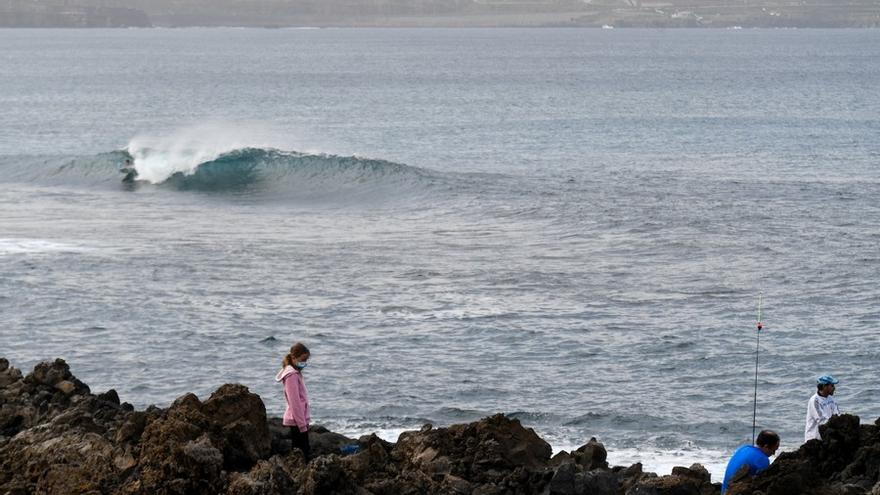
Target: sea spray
270,173
158,157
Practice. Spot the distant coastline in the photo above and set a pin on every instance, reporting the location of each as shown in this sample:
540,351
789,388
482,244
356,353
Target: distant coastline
474,13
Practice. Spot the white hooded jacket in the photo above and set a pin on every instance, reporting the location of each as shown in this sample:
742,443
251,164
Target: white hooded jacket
819,410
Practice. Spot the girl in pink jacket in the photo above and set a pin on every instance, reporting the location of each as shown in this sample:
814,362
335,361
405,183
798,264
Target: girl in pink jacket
297,415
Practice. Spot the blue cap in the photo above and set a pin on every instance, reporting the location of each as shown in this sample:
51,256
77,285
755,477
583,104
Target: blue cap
827,380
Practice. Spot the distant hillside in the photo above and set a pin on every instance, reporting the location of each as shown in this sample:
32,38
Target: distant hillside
40,13
586,13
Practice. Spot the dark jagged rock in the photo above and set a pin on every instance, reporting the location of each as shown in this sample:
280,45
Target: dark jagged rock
584,471
132,428
56,431
324,442
694,480
328,474
57,437
483,452
238,420
109,396
572,479
56,375
267,476
592,455
192,443
37,397
845,461
176,455
321,440
279,437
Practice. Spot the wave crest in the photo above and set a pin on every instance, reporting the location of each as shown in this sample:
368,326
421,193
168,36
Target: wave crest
258,171
275,170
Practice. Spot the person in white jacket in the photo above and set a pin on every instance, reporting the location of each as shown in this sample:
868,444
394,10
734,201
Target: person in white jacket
820,407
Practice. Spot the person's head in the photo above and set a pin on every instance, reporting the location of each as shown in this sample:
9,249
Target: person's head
768,442
825,385
297,356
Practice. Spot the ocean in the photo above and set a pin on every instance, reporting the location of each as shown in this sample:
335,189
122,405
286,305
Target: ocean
570,226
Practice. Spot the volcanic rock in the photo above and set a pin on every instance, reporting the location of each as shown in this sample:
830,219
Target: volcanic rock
56,437
592,455
683,481
844,461
485,451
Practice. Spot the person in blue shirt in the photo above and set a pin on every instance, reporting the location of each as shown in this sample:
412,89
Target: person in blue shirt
751,459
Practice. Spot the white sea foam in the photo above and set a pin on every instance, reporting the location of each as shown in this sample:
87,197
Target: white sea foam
26,246
392,434
653,460
158,157
662,462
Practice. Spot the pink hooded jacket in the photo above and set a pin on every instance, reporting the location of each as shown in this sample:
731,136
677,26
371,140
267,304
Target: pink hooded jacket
298,412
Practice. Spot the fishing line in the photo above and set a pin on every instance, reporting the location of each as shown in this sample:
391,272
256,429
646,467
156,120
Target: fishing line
760,326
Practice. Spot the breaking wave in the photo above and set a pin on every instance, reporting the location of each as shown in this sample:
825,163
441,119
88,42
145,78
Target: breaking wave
244,170
270,169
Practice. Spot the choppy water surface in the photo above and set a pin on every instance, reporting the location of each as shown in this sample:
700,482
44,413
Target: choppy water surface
568,226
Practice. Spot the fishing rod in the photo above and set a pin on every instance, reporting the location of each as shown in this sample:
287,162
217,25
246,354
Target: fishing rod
757,349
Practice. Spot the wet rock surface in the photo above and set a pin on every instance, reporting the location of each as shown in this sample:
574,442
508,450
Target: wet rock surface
846,462
58,437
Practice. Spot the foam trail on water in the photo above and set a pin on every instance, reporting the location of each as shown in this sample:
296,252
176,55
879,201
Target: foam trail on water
156,158
31,246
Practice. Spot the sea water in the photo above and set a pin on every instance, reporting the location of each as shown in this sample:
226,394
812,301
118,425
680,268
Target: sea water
568,226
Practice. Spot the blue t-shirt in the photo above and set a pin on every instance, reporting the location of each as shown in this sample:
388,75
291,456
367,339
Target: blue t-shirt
749,455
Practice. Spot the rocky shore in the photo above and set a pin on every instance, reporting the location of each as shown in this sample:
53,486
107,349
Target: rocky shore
56,437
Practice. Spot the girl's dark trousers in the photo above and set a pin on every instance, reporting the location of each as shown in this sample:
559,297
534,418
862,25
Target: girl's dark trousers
300,441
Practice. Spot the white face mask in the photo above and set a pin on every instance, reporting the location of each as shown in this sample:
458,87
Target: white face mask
301,365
